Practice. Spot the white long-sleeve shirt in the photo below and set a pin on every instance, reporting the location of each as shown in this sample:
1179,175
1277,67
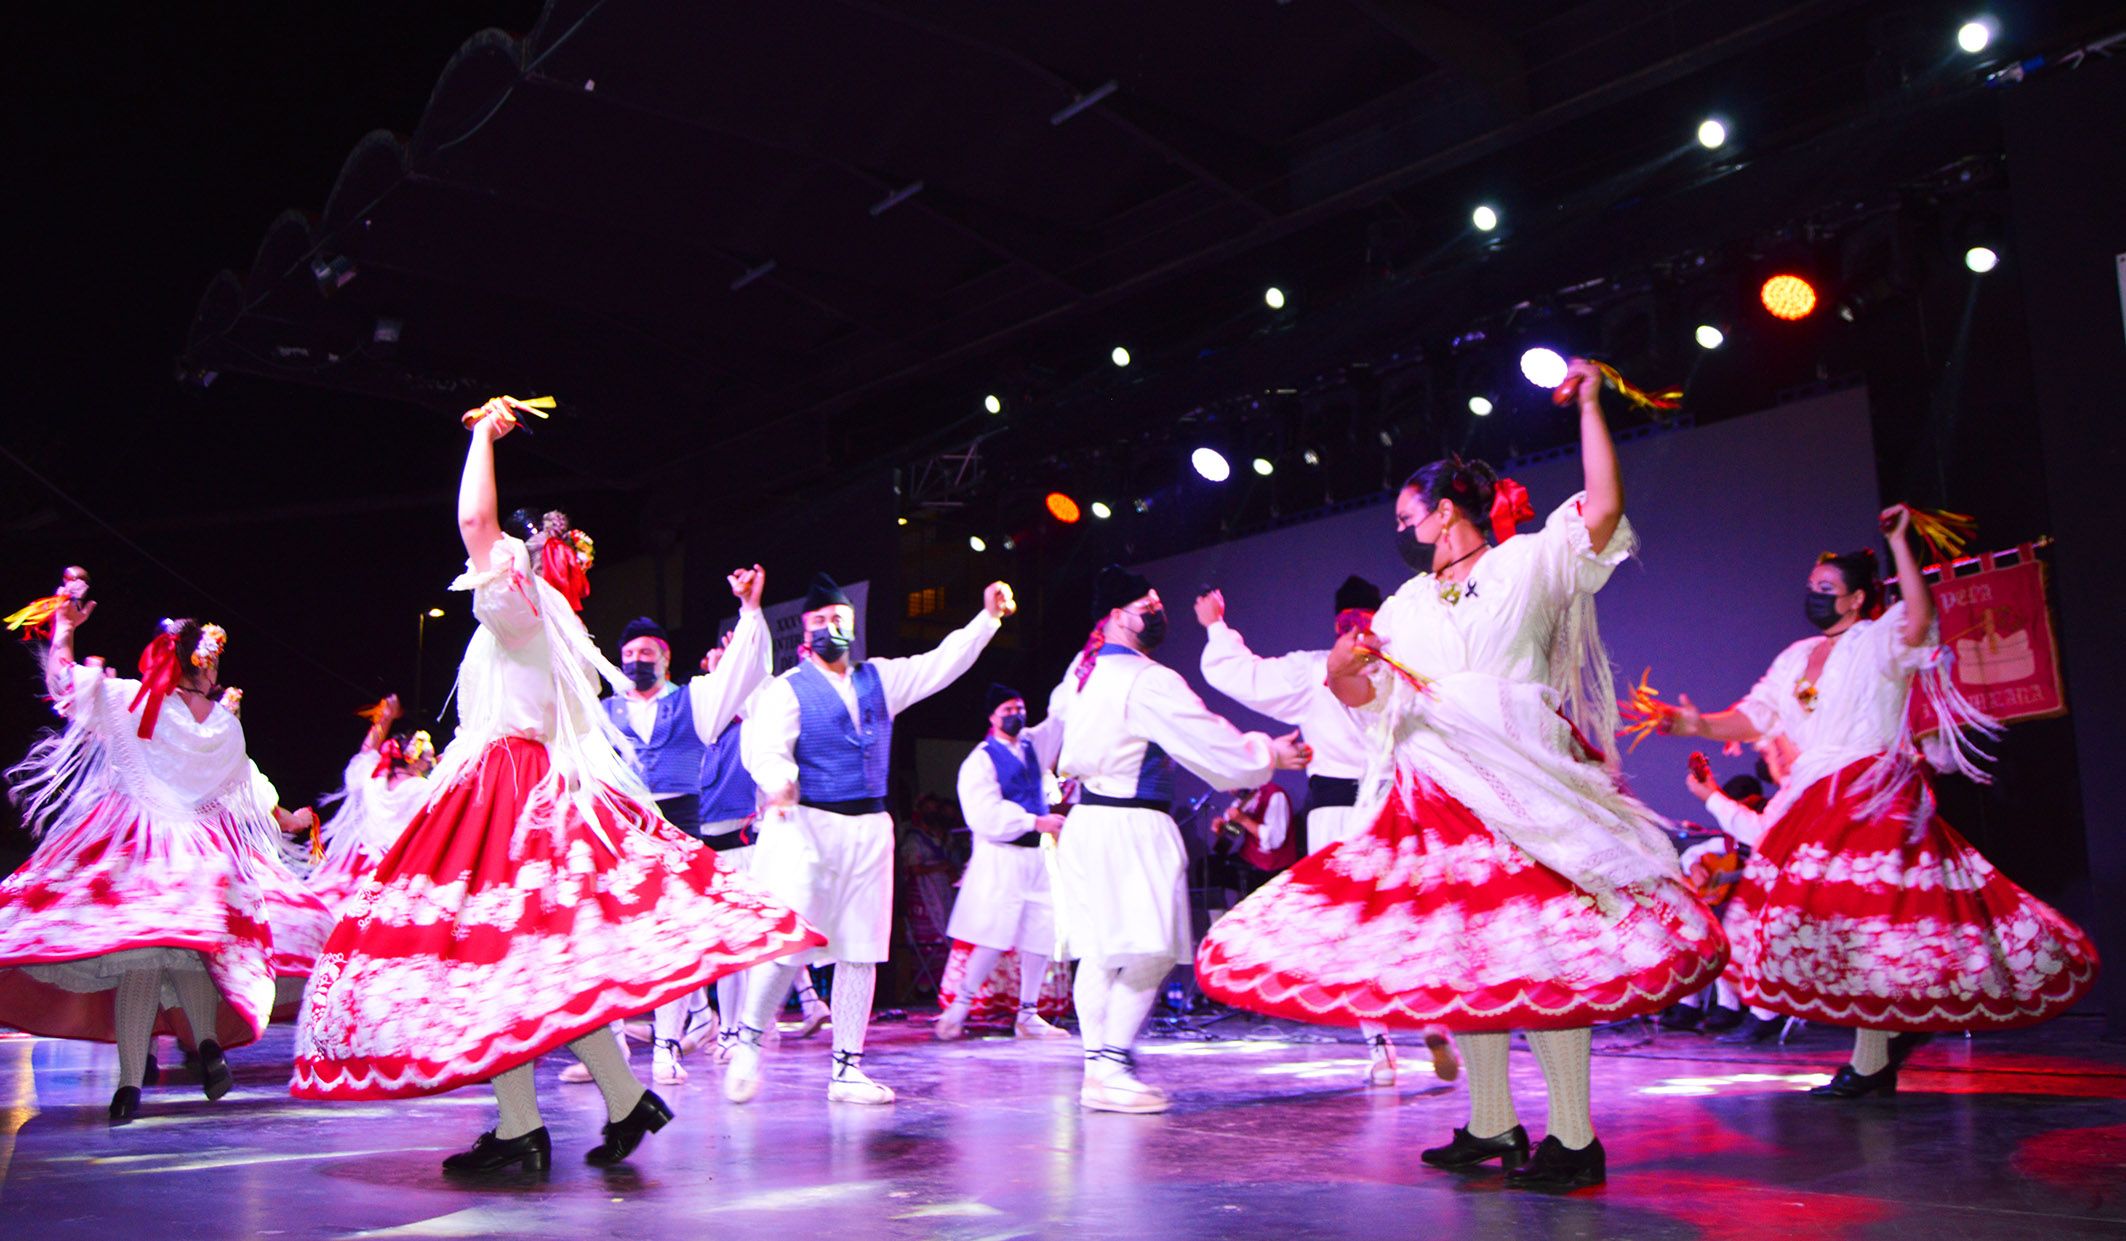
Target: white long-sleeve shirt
717,696
1276,819
1128,702
769,747
1292,689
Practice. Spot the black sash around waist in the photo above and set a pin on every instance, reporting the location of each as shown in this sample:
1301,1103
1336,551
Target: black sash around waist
862,805
737,839
1124,803
1331,791
1026,840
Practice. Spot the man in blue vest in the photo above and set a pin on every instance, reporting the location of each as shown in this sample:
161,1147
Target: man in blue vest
672,730
1004,903
817,742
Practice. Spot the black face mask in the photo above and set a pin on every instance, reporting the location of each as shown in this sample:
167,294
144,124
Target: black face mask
1415,554
643,672
1154,629
1013,724
1822,609
828,644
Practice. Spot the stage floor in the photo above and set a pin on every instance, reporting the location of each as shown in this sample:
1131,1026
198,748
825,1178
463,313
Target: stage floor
2015,1135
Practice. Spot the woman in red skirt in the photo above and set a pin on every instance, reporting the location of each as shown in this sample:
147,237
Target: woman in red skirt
1507,881
1863,908
143,908
537,897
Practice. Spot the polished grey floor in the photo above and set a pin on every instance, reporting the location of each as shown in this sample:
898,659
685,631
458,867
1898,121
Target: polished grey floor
2019,1135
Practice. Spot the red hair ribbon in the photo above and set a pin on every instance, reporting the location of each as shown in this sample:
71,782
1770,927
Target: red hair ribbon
1509,508
1093,644
387,754
562,568
158,676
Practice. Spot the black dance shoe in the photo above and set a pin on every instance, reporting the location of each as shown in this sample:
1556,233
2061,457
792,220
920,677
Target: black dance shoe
1851,1083
1509,1148
1682,1018
531,1152
125,1104
624,1135
151,1074
1720,1019
1753,1029
1903,1045
214,1075
1557,1167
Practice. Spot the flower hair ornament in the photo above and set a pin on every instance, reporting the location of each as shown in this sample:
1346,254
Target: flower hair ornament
212,638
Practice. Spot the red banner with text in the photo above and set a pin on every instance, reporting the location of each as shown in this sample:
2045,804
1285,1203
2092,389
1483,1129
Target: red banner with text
1998,626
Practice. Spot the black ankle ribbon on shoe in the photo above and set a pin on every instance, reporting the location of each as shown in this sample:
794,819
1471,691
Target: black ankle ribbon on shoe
750,1035
1377,1041
848,1060
667,1044
1115,1055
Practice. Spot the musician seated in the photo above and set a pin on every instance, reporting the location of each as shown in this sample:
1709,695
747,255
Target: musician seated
1251,839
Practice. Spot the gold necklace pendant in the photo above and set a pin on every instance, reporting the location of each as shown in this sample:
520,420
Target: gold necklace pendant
1450,593
1805,694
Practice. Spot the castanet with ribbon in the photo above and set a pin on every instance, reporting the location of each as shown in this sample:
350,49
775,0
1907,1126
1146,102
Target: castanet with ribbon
1945,534
1644,709
536,406
1665,399
35,619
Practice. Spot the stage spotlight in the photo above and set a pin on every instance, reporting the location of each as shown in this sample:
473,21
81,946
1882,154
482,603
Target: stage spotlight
435,614
1788,296
1212,464
993,403
1010,544
1485,217
1141,504
1981,259
975,543
1062,508
1273,297
1480,406
1976,35
1264,467
1709,337
900,521
1101,511
1119,355
1310,457
1543,367
1712,134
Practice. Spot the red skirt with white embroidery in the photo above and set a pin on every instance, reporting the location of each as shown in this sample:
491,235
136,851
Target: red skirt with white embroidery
337,879
122,890
1428,917
1853,922
499,928
300,918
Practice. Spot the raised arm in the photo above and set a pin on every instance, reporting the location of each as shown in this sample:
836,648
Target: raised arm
716,698
1685,720
909,680
479,524
59,656
1604,506
1279,687
1911,579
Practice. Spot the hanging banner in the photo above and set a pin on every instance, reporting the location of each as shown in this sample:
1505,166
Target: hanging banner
1997,624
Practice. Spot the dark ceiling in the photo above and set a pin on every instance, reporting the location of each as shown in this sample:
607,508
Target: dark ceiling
693,221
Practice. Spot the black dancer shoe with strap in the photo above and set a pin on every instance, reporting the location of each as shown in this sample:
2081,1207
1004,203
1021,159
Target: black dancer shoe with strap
530,1152
1509,1148
622,1136
1719,1019
1754,1029
214,1075
125,1104
152,1074
1851,1083
1556,1167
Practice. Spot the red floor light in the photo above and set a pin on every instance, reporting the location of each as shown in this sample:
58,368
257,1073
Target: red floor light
1062,508
1788,297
